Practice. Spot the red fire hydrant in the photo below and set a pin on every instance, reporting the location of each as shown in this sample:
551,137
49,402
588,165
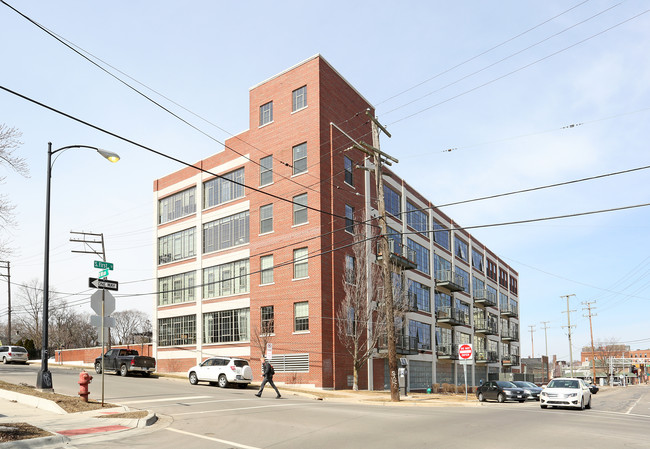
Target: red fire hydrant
84,380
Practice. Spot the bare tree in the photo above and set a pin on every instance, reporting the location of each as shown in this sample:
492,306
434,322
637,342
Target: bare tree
29,310
128,324
9,143
606,348
261,335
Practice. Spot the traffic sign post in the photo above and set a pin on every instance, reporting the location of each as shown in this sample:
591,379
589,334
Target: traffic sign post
102,283
103,303
465,354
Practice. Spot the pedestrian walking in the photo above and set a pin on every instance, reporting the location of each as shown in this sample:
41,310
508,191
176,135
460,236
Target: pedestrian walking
268,373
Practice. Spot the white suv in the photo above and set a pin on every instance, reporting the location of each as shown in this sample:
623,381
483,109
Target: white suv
15,354
222,371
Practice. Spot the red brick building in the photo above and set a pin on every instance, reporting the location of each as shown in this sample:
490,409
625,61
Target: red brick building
236,260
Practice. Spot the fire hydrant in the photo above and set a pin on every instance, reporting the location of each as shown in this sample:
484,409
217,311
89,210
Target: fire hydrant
84,380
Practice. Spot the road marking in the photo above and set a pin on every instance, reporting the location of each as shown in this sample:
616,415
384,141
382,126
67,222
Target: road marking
206,402
633,405
165,399
229,443
231,409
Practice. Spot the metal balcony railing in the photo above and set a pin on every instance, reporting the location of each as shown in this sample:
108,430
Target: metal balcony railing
400,255
483,356
447,351
509,334
510,360
508,310
485,298
485,326
452,315
449,280
404,344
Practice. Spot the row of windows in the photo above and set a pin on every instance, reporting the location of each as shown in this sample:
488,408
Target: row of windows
298,101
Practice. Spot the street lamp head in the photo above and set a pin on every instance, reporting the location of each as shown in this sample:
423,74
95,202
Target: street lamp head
113,157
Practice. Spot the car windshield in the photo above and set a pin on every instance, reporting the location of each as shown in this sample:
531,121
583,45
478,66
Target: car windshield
564,383
505,384
522,384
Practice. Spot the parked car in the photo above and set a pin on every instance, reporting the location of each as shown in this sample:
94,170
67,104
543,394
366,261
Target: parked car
125,361
222,371
566,392
501,391
530,388
13,354
616,383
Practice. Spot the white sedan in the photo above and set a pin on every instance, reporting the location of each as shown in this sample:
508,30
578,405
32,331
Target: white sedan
566,392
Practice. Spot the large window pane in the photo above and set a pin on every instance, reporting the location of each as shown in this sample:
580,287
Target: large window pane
300,158
177,205
300,268
225,188
226,232
300,209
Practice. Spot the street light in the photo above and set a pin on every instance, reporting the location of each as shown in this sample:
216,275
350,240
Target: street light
44,377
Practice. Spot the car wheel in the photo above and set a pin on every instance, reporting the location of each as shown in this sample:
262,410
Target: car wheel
98,367
501,398
588,406
223,382
4,360
582,403
542,405
123,371
481,398
193,379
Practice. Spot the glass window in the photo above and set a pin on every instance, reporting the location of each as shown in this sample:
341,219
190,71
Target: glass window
226,279
477,260
299,97
461,250
348,166
503,278
349,219
266,269
266,113
266,170
300,209
478,285
178,330
176,289
441,267
491,270
177,205
300,261
422,332
176,246
226,232
350,273
465,275
416,218
441,235
393,202
300,158
301,316
420,295
266,218
268,321
225,188
394,240
226,326
513,285
421,255
503,301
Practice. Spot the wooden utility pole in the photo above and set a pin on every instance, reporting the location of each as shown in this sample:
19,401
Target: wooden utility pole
8,276
532,343
591,331
546,345
568,326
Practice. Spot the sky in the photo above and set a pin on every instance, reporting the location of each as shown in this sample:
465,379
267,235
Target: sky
481,98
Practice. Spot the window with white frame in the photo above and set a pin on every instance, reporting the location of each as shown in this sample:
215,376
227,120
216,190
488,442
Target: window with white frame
266,170
176,289
477,260
177,205
300,263
266,113
300,158
266,218
226,326
267,323
348,165
177,331
266,269
441,235
301,316
416,218
225,188
393,202
299,98
421,255
461,249
300,209
226,232
177,246
226,279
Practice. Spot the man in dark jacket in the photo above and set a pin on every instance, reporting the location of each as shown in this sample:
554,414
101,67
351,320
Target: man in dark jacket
268,377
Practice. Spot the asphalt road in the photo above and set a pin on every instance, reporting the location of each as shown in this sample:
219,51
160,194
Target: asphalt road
204,416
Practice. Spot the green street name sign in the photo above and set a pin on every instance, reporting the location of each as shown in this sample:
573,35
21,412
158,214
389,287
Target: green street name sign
103,265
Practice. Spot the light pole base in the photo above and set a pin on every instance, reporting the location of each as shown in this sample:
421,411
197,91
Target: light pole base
44,380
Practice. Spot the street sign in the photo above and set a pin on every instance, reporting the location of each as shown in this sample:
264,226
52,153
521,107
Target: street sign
101,265
96,321
269,350
96,302
102,283
465,351
103,274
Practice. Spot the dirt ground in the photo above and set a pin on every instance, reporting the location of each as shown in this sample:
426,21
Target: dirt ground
20,431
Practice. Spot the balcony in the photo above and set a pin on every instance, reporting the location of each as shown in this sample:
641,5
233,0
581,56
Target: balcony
449,280
404,344
485,298
508,310
509,335
485,326
410,303
447,352
482,356
510,360
452,315
400,255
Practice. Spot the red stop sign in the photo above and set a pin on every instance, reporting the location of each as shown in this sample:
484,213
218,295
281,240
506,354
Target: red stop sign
465,351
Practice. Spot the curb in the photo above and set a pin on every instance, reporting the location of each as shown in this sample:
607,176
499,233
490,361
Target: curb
30,443
33,401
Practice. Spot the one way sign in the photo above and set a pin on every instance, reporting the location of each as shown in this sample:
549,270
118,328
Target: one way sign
102,283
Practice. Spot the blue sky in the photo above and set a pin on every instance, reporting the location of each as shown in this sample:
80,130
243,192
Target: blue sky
439,79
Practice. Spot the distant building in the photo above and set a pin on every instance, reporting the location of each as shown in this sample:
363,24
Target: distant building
233,261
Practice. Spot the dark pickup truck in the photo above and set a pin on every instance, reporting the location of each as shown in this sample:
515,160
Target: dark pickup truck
125,361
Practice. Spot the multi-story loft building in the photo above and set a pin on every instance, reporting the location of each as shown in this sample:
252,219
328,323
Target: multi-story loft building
252,247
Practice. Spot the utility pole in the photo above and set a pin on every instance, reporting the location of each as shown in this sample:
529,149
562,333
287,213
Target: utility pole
588,306
8,276
546,345
568,326
532,343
